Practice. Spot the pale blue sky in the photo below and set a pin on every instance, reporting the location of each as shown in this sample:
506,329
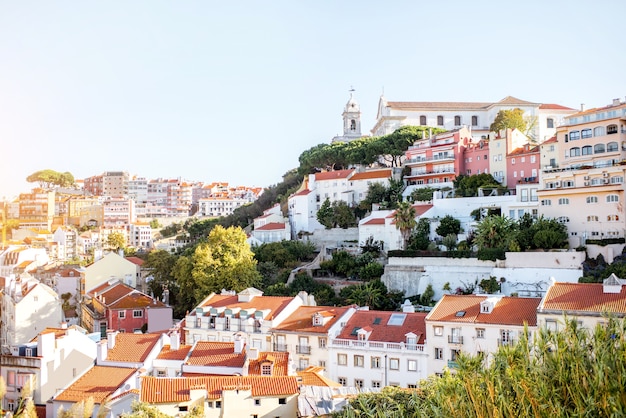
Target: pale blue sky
235,91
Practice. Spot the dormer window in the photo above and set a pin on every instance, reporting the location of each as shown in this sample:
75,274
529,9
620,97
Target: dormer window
266,369
486,307
318,320
362,336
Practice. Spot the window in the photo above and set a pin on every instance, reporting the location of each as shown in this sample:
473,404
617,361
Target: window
342,359
358,361
282,401
513,161
611,129
611,147
612,198
454,354
533,158
612,218
587,150
598,131
592,218
574,152
137,313
599,149
376,384
574,135
257,402
342,381
550,123
375,362
358,383
322,342
394,364
546,202
474,120
564,201
480,332
422,120
266,369
562,219
457,120
438,331
617,179
122,315
411,365
592,199
218,404
438,353
440,120
585,133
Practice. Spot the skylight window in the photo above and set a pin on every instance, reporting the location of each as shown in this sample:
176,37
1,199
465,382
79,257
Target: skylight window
354,330
460,313
396,319
377,321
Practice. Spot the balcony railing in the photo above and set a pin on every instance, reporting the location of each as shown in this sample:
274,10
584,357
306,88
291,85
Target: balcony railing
303,349
280,347
453,364
433,158
455,339
375,345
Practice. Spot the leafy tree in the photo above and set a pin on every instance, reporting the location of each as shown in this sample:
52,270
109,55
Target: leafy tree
371,246
450,241
343,216
161,263
373,294
423,194
404,217
154,224
116,241
448,225
549,233
49,178
199,229
223,261
325,214
490,285
495,232
509,118
376,193
426,299
420,238
467,186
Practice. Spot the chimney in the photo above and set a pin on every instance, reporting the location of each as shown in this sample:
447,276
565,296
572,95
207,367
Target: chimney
616,102
240,343
63,325
175,340
111,339
45,345
101,354
582,107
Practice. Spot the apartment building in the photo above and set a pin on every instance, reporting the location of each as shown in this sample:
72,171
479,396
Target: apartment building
37,209
584,189
475,325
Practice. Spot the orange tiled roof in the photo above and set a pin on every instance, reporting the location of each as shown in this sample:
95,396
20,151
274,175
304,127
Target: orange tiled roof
136,260
554,106
136,299
302,193
375,221
99,383
132,348
279,359
381,331
274,303
333,175
550,141
272,226
156,390
508,311
213,353
583,297
168,354
373,174
312,376
302,319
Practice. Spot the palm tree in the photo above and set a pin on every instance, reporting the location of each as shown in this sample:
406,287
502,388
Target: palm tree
405,221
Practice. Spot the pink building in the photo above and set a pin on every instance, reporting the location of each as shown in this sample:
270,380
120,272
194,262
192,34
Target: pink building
476,157
522,166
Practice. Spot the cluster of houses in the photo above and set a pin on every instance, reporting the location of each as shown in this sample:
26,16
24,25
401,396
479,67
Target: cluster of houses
246,354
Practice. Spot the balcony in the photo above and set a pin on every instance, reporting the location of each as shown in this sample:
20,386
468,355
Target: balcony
280,347
303,349
453,364
455,339
376,345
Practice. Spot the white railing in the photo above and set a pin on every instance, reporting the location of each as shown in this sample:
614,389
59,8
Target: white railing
375,345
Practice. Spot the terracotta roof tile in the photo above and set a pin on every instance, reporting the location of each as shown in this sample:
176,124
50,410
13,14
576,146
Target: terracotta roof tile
508,311
373,174
302,193
132,348
136,260
301,320
583,297
99,382
312,376
381,331
136,299
275,304
177,389
213,353
272,226
375,221
333,175
439,105
554,106
168,354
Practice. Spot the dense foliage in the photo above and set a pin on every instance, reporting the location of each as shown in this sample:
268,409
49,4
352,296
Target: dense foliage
467,186
509,118
575,372
49,178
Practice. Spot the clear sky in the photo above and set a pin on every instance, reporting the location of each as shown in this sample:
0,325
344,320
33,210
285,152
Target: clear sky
236,90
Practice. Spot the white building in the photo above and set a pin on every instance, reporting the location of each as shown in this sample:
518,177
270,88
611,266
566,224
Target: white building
140,235
66,239
303,206
475,325
379,348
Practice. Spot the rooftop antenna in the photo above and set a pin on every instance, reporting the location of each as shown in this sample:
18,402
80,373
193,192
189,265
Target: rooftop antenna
351,90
